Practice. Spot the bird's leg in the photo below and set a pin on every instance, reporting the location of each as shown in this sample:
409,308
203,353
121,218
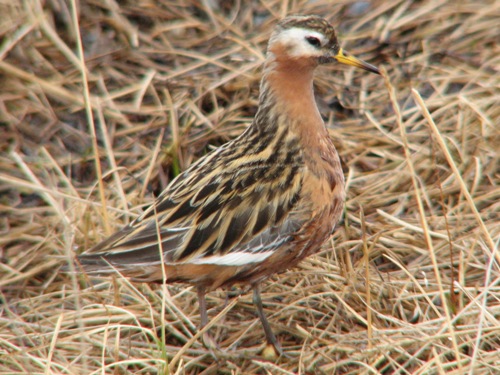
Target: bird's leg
271,339
203,307
208,341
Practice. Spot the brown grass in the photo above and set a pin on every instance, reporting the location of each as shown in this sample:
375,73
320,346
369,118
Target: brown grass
410,283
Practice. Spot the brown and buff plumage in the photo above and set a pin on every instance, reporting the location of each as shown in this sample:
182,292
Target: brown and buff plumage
258,204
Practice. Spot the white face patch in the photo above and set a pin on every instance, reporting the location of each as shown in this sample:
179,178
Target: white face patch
233,259
295,40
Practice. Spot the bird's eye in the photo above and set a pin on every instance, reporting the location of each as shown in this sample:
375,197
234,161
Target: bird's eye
313,41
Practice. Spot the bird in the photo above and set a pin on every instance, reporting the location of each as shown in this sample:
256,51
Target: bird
256,205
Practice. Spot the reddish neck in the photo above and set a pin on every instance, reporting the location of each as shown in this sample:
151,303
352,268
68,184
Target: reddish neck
290,84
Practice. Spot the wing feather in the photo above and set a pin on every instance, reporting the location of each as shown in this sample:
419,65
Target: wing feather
216,207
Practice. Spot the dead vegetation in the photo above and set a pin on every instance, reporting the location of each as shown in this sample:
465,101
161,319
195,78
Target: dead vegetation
412,286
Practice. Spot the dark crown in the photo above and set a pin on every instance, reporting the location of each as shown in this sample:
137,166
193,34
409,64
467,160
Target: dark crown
315,23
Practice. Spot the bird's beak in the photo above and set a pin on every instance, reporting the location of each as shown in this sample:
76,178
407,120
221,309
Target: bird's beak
346,58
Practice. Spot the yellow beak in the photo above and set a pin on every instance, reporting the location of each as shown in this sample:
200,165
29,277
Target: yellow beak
348,59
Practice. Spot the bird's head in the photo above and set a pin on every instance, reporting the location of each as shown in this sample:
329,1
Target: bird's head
309,41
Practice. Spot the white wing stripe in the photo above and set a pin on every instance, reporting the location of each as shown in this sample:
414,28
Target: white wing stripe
233,259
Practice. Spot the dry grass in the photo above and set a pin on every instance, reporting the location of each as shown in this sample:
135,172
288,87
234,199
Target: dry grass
412,285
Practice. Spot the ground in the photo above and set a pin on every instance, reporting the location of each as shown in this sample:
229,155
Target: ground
409,283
